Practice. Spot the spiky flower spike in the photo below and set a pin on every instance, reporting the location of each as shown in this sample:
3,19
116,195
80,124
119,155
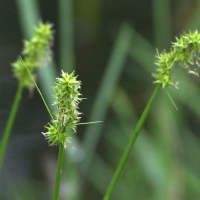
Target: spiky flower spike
34,51
183,52
67,98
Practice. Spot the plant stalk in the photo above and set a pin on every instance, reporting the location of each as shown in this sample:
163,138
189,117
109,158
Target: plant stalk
130,145
9,125
58,172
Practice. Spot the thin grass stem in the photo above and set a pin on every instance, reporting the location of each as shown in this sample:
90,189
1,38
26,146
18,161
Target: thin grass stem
9,125
58,173
171,99
130,144
61,147
38,89
89,123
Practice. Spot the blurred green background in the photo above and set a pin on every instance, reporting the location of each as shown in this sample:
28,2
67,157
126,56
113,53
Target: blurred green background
112,47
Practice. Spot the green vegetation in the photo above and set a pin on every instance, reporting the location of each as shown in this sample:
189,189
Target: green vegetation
164,161
34,53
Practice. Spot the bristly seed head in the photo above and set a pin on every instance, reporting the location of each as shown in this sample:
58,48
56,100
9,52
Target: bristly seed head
67,98
185,50
34,53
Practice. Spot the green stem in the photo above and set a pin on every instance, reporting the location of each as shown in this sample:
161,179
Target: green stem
58,173
130,145
38,89
9,125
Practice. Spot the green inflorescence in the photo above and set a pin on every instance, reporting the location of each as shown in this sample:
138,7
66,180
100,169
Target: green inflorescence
183,52
34,51
67,98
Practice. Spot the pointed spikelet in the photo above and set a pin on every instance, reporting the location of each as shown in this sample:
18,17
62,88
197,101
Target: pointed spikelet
184,51
34,53
67,98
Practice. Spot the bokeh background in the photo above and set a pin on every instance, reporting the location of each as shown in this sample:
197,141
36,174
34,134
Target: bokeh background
112,46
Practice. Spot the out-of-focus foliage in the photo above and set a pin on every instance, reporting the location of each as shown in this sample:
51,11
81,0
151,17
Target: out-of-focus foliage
112,46
34,52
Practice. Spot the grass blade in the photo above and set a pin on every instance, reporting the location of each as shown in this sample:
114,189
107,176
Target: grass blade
66,32
29,15
162,23
105,91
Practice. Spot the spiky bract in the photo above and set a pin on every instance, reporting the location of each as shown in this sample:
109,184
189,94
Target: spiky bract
67,115
184,51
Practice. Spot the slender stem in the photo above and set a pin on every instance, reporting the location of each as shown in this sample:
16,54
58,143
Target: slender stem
38,89
171,99
58,173
10,122
130,145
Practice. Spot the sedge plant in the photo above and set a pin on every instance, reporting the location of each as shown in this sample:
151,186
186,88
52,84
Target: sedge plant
35,52
67,117
184,52
67,98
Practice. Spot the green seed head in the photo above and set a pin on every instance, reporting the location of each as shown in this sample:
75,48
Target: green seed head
184,51
34,53
67,98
